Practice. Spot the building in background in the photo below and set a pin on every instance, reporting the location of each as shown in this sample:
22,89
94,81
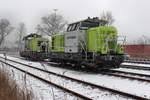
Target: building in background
138,50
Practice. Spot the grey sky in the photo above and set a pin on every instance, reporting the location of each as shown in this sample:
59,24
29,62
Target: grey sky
132,16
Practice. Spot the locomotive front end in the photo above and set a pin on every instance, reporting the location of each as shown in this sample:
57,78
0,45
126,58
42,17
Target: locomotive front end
105,47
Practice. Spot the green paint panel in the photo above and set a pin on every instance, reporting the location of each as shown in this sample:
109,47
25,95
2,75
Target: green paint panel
101,39
33,45
58,43
120,49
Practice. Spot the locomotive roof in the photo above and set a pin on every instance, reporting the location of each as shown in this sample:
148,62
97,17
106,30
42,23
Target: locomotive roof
94,20
31,35
87,23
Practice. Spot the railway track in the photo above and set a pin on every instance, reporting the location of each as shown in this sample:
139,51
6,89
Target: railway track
131,73
84,82
122,66
139,62
136,67
49,82
112,73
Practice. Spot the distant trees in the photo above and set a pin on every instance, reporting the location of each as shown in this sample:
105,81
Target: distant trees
51,24
21,32
143,40
5,29
108,17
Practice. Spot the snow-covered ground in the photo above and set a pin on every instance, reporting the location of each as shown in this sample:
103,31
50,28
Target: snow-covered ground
40,90
133,70
135,64
44,90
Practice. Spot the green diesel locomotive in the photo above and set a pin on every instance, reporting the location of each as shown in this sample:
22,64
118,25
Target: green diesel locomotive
35,47
86,43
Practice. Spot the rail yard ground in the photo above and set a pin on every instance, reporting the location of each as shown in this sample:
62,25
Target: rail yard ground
47,92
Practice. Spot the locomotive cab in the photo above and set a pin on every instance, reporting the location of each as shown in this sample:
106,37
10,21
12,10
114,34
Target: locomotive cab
75,37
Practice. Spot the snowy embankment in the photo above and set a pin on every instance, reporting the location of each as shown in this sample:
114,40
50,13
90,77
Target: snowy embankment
46,91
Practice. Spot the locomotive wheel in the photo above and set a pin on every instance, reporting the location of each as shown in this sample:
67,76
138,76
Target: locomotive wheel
77,66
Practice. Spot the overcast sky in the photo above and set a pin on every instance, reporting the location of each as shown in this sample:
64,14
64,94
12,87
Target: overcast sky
132,16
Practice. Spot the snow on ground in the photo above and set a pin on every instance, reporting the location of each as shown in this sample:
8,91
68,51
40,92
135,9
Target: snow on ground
133,70
135,64
134,87
93,93
40,90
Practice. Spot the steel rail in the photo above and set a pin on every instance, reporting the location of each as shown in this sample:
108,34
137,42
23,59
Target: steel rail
127,77
135,67
131,73
139,62
110,74
106,72
88,83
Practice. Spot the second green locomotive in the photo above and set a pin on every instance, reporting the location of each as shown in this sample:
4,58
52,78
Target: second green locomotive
35,47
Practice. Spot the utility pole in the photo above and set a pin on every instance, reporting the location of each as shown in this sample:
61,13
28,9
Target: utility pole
55,10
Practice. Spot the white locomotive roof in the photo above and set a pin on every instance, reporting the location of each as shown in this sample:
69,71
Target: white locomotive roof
94,19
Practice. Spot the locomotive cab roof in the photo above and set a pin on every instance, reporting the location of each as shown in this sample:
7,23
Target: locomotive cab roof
31,36
85,24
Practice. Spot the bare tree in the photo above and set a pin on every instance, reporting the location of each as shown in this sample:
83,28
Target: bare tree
21,31
51,24
108,17
5,29
143,40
